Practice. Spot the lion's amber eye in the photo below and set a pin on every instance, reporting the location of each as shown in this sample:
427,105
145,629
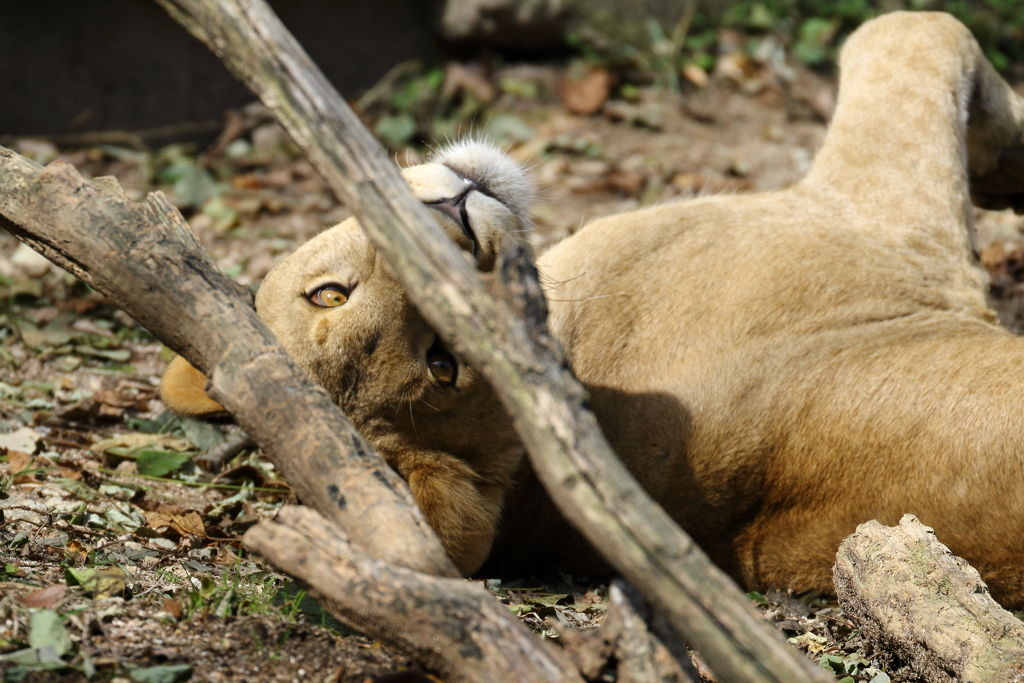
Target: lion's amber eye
442,366
329,296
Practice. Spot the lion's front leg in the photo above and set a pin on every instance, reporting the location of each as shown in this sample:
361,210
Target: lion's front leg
462,509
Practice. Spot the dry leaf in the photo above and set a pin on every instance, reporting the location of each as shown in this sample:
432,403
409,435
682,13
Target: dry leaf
75,552
172,607
586,95
112,397
45,598
187,524
26,440
139,441
469,77
19,462
695,74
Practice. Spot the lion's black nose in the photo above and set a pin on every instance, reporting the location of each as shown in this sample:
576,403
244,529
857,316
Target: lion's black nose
455,208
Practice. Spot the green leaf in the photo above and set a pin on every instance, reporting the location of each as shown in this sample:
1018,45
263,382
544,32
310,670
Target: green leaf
11,568
832,663
195,186
98,582
396,130
74,487
167,673
758,598
816,35
159,463
546,600
48,630
877,675
33,657
203,434
119,355
165,422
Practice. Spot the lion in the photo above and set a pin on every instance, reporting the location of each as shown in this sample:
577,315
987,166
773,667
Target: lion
773,368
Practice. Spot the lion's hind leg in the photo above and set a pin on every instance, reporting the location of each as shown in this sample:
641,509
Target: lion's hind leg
920,111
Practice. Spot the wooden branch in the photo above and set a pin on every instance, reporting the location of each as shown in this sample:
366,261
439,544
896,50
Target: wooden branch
909,594
566,446
630,639
451,625
145,258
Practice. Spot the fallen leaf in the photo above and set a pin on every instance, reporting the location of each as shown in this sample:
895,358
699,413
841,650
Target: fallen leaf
190,523
468,77
98,583
695,74
136,441
25,463
48,630
26,440
159,463
75,552
165,673
204,435
18,461
586,95
171,606
116,399
89,327
45,598
628,182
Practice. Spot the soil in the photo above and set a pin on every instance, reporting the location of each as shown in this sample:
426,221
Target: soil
74,372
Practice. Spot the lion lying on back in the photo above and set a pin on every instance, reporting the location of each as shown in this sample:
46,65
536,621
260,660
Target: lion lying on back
774,369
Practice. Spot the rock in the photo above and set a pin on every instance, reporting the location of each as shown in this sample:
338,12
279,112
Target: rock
586,94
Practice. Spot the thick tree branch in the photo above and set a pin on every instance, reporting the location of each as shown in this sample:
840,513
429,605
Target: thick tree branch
565,444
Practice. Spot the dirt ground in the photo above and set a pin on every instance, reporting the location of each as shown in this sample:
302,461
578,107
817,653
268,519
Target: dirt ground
108,521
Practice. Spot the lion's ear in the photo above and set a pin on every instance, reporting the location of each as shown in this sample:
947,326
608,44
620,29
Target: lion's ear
183,390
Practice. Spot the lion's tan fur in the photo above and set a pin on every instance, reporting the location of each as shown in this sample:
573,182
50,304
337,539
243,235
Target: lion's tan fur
773,368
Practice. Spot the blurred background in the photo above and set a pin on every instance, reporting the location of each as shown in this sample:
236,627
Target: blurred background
614,104
68,67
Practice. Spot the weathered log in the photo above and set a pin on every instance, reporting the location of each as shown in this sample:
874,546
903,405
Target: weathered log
909,594
449,625
566,446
